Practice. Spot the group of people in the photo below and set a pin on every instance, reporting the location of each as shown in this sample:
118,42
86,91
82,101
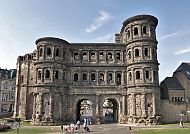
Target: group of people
72,128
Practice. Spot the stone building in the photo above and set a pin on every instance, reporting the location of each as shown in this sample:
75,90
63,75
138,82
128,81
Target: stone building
53,80
7,89
175,95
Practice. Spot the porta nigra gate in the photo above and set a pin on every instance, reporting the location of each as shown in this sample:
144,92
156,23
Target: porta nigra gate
106,82
99,113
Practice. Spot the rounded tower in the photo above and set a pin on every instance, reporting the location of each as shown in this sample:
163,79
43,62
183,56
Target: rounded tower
51,85
138,33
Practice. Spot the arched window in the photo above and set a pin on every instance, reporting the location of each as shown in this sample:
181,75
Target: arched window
40,52
118,56
129,54
84,77
118,79
109,56
147,74
93,55
144,30
84,56
47,74
130,76
39,75
137,75
75,77
48,51
110,77
135,31
146,52
137,53
57,52
128,34
56,74
93,77
101,77
101,55
76,56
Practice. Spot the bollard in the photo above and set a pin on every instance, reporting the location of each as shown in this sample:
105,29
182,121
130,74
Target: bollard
130,128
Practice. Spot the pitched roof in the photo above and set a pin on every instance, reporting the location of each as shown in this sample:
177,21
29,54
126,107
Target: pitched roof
185,69
172,83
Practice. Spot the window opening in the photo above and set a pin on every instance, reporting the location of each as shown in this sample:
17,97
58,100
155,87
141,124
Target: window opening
39,75
130,76
84,77
75,77
57,53
56,74
47,74
137,53
147,74
135,31
144,30
49,51
93,77
118,57
118,79
137,75
146,52
109,56
76,56
40,52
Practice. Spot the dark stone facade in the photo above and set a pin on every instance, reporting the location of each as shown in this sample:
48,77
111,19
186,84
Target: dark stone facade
58,75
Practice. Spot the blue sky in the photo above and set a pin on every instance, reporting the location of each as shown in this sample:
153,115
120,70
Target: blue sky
24,21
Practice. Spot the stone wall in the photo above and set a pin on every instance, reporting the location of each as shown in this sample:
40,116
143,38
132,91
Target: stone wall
171,111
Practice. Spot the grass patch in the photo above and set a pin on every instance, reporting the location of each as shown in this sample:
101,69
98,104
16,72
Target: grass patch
163,131
33,130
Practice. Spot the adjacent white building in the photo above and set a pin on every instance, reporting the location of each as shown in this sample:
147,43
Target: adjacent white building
7,90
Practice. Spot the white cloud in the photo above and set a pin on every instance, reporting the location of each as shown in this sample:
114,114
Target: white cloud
174,34
98,22
187,50
106,38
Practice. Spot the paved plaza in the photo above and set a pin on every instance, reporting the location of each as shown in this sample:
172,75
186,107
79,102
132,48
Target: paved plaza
110,129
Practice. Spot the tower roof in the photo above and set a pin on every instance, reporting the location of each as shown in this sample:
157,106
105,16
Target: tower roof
185,69
172,83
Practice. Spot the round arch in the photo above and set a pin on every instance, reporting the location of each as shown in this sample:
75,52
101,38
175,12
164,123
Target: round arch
83,108
110,110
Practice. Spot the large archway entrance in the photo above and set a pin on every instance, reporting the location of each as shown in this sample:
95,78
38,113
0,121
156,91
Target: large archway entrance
84,110
110,111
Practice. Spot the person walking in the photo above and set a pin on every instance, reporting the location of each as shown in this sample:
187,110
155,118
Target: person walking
61,128
78,124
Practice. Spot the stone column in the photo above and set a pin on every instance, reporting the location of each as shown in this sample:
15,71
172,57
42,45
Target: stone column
105,77
51,106
42,77
44,50
124,105
133,101
40,103
143,75
123,78
61,106
97,77
153,105
98,121
114,78
52,71
34,107
133,76
143,105
37,75
88,77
